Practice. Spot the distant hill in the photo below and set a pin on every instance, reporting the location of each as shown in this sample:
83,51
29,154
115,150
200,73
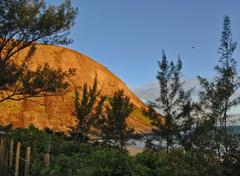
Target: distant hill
234,129
59,115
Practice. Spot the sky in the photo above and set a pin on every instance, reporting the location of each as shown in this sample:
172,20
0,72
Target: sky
128,36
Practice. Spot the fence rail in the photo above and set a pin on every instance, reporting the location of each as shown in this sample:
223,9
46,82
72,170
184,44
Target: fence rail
11,162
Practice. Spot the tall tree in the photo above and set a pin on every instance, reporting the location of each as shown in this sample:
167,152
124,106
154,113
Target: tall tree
23,23
114,126
220,95
186,123
88,110
171,101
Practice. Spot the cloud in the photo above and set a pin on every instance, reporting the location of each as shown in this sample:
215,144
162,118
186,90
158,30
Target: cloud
150,91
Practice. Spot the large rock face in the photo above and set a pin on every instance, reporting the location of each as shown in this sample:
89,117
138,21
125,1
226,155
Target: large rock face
59,112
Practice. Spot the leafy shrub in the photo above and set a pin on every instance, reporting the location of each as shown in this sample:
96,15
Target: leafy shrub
101,162
176,163
109,162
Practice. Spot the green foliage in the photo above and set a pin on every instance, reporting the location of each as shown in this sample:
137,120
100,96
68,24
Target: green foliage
186,125
113,163
158,164
172,101
218,96
100,162
28,21
114,128
61,165
88,110
69,157
23,23
176,163
39,141
200,129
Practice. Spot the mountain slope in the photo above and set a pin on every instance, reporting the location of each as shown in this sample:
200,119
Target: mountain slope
59,115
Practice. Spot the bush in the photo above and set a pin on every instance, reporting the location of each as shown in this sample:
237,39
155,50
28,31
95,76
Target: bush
109,162
101,162
176,163
69,157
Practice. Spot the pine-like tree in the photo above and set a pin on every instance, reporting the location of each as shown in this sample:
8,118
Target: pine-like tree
114,127
186,123
171,101
88,109
219,96
24,23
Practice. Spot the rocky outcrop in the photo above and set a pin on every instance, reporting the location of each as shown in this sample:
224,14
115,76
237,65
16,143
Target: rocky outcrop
59,112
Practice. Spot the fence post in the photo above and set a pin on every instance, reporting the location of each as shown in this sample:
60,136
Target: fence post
11,154
3,156
46,159
27,162
7,152
1,150
46,156
17,159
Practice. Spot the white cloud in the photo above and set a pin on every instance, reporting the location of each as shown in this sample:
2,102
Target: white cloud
150,91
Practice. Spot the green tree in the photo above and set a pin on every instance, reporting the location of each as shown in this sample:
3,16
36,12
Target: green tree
171,102
187,120
219,95
114,126
23,24
88,109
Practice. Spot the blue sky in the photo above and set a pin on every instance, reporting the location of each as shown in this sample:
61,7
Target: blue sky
128,36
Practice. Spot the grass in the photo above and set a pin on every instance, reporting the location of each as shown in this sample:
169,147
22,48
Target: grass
139,114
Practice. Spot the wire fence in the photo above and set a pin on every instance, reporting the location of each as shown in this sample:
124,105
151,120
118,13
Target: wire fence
16,160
